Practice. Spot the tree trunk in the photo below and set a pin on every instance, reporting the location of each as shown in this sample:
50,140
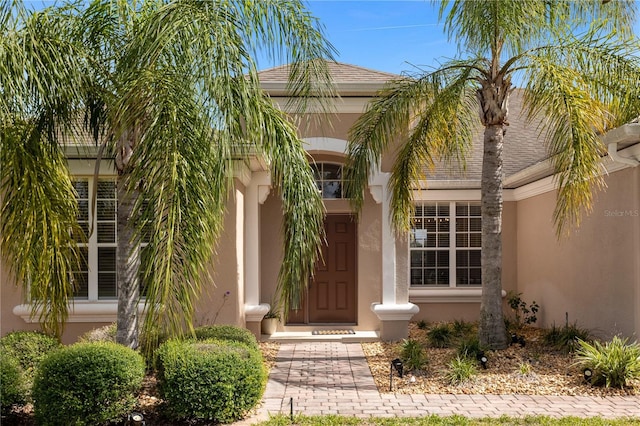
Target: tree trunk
127,262
127,254
493,102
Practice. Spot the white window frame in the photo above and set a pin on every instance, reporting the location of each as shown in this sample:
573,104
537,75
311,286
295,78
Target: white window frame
450,293
92,244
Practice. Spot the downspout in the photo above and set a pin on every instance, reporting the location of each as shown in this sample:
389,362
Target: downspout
612,149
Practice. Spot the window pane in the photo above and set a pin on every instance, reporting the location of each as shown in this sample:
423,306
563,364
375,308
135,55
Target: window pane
418,238
331,189
106,189
429,258
106,259
474,258
475,240
462,276
416,259
81,285
462,258
475,224
443,240
82,188
418,211
416,277
462,240
316,171
443,259
462,225
430,210
106,210
106,285
462,209
443,209
443,225
443,277
331,171
475,276
431,240
475,210
430,276
106,232
83,210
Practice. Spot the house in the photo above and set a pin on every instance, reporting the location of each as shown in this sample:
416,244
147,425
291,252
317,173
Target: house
373,281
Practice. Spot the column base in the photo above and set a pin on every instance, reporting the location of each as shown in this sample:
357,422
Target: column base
253,315
394,319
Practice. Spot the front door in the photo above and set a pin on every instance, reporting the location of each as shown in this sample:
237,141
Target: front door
331,297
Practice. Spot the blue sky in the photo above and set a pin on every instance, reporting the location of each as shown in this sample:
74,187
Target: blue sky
386,35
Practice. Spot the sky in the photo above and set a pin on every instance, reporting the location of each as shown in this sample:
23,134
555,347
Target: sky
385,35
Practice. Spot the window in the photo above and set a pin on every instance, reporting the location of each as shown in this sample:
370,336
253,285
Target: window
445,244
328,177
97,278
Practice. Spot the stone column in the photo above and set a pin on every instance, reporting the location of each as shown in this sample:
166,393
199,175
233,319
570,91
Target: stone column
257,191
395,311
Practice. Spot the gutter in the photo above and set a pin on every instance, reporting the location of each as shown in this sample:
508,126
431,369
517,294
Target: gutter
629,133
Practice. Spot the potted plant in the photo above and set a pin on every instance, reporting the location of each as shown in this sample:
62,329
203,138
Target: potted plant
271,319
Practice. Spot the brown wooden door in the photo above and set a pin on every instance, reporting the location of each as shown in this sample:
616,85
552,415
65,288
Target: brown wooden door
332,292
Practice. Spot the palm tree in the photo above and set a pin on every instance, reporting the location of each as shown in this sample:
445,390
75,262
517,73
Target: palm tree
578,86
169,90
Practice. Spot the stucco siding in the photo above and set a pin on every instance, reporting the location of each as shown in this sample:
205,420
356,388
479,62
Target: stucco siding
591,275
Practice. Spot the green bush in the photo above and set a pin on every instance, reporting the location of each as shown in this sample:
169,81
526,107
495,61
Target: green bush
422,324
566,338
413,355
106,333
469,348
613,363
213,380
13,388
227,332
461,370
440,336
29,348
462,329
87,384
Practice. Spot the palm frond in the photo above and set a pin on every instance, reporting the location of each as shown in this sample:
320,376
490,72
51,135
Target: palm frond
583,87
38,226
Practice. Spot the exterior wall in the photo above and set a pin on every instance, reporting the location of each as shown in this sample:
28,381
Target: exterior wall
593,275
215,306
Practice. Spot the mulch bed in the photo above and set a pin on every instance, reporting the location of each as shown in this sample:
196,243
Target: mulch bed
549,372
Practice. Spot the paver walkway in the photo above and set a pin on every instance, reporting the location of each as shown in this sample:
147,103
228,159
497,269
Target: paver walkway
334,378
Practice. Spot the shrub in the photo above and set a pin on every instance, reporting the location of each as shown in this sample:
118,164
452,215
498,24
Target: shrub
613,364
461,370
469,348
13,388
522,312
566,338
29,348
462,328
422,324
106,333
213,380
227,332
413,355
440,336
87,384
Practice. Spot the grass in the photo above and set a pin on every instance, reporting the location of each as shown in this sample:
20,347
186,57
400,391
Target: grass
438,420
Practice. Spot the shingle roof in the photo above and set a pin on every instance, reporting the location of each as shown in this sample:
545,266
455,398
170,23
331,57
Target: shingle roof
341,73
523,147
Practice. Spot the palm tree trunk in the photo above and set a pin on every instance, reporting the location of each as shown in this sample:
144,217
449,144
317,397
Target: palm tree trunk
127,262
127,254
492,331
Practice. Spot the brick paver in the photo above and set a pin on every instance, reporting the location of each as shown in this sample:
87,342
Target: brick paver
334,378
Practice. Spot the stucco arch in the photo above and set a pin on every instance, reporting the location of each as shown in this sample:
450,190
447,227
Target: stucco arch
323,145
